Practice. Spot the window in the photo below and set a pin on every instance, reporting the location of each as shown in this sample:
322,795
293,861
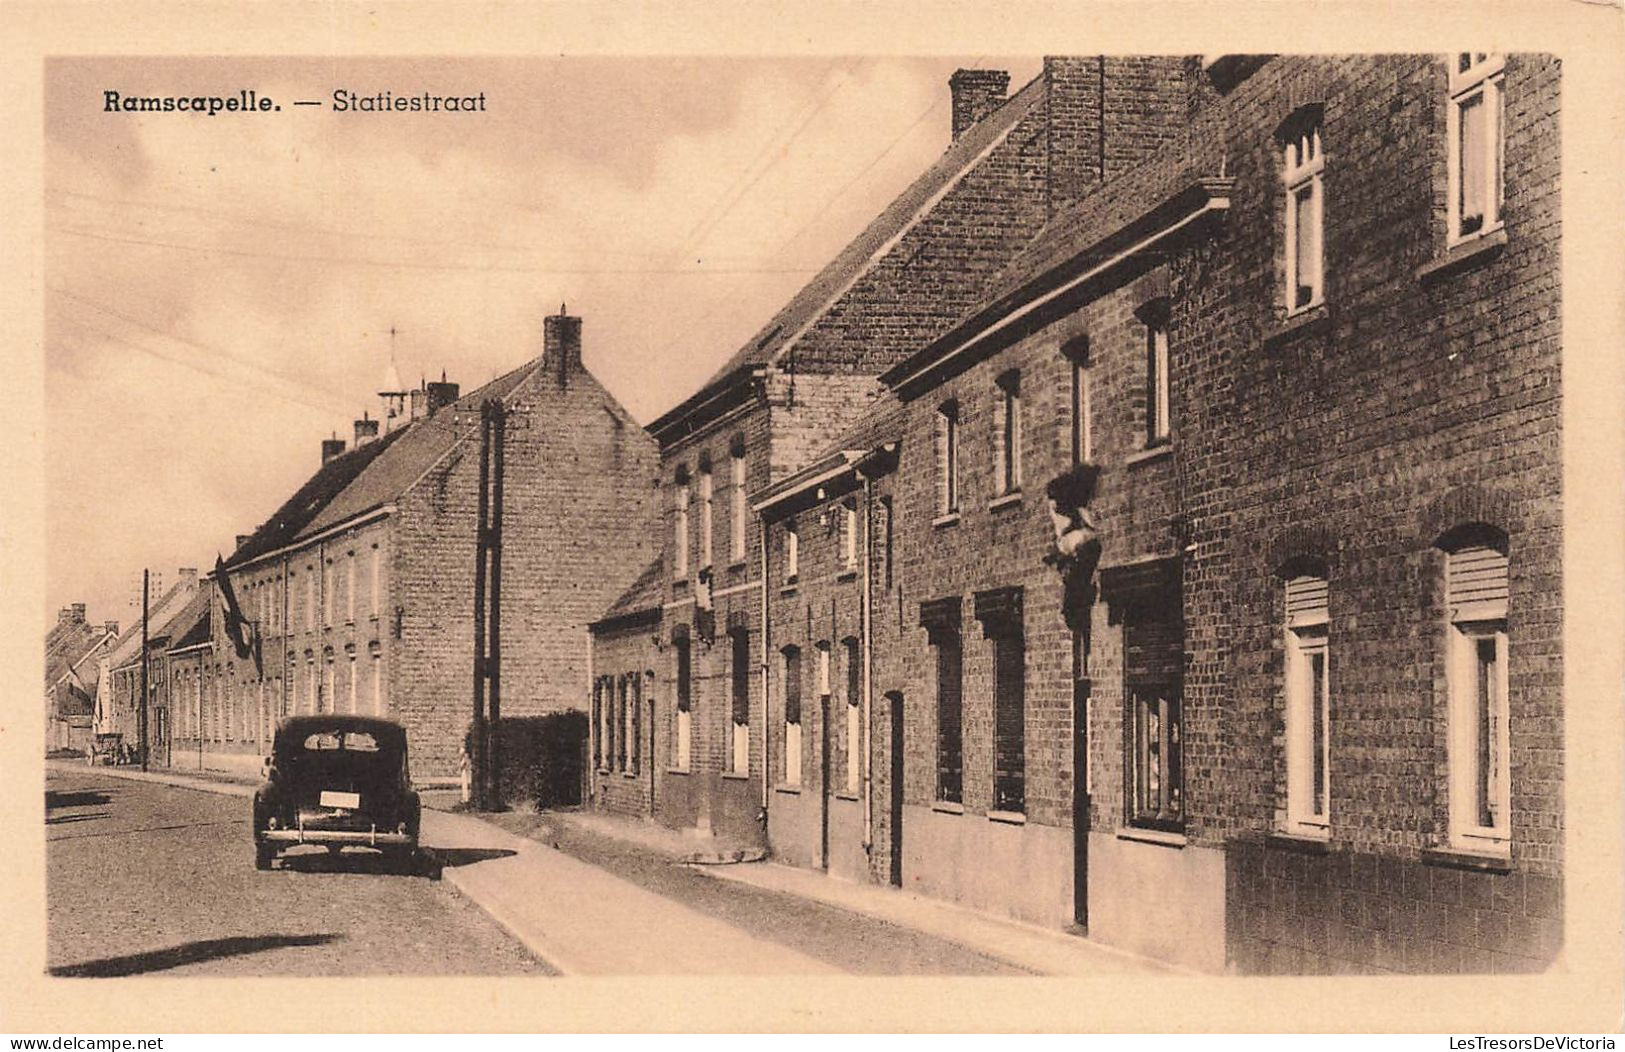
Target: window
1009,728
739,729
377,685
621,723
1480,787
1077,353
351,707
349,588
1301,174
310,598
705,516
683,727
854,714
329,701
1152,672
1477,144
849,535
886,540
377,578
1009,432
598,724
1308,708
950,731
792,715
947,449
679,530
634,737
737,518
330,581
1157,426
792,553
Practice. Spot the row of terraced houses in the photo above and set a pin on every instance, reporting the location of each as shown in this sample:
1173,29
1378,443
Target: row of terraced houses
1149,526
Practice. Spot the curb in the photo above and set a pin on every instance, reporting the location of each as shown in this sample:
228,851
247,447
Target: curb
452,878
179,781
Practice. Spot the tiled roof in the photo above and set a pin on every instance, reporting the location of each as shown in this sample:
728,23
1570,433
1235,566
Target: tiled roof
188,620
807,305
643,594
374,474
129,644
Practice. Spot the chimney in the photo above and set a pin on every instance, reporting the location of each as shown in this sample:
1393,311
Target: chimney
420,403
188,574
1109,115
441,394
64,615
366,429
976,93
332,447
78,611
242,539
110,627
561,344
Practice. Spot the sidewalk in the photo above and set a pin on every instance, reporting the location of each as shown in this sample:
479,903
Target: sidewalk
673,844
1040,950
581,919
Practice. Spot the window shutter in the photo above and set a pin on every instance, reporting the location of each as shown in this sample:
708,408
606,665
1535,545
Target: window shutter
1306,601
792,687
1009,730
1476,583
949,716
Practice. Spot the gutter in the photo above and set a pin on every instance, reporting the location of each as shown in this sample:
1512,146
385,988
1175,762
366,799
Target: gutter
315,538
1191,204
794,486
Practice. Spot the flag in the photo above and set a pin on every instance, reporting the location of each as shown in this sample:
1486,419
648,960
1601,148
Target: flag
238,630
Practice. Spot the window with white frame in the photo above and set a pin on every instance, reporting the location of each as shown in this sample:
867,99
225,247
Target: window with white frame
377,685
738,515
1305,212
705,516
310,598
1477,145
849,534
853,750
679,529
1076,352
1480,793
349,588
1009,433
739,710
1308,708
351,706
792,553
790,668
682,725
377,578
947,454
1153,644
1158,424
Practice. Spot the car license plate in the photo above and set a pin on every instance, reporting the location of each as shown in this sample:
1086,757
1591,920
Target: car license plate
335,799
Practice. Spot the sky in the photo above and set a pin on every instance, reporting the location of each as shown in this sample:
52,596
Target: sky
220,290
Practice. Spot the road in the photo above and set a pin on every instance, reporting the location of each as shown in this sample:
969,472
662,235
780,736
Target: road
146,878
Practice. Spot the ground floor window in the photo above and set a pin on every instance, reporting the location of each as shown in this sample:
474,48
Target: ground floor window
682,721
792,715
1153,669
739,711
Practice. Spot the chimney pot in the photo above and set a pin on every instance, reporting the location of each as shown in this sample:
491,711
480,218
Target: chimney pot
561,344
441,395
331,447
365,431
976,93
110,627
78,611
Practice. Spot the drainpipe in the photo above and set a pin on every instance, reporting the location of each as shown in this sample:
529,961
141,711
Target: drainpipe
767,765
864,643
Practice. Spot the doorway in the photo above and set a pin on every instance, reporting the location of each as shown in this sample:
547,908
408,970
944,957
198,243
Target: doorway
1080,802
823,782
894,812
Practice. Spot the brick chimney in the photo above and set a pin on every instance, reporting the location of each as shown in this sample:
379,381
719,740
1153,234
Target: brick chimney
441,394
78,611
366,430
976,93
332,447
561,344
110,627
1108,116
419,403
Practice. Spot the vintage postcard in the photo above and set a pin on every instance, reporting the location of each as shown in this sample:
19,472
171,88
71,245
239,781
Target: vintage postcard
1109,512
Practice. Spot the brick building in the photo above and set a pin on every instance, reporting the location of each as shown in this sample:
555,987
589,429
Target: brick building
357,595
1214,594
118,689
810,371
73,651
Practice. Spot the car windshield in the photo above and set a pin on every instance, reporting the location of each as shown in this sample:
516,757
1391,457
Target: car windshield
348,741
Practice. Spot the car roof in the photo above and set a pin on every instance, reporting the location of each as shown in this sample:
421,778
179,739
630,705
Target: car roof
294,727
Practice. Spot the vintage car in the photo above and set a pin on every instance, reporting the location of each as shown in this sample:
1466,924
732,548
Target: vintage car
336,780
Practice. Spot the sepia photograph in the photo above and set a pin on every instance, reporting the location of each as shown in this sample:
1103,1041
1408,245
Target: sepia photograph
1096,516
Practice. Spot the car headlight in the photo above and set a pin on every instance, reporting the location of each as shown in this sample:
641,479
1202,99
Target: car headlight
272,822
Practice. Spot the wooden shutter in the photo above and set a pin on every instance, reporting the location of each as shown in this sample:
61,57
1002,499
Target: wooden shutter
1306,601
1476,583
950,733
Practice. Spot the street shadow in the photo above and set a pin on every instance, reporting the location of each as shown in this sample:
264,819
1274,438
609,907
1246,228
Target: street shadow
78,798
185,953
418,864
452,857
54,820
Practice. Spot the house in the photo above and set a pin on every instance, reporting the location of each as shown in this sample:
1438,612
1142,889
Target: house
73,649
716,759
118,697
359,593
1212,560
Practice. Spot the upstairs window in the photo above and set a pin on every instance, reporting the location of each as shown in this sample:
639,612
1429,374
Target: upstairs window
1308,707
682,723
739,737
1480,791
1477,144
1158,425
1077,355
679,530
947,451
792,553
792,715
736,497
1009,430
849,535
1305,252
705,516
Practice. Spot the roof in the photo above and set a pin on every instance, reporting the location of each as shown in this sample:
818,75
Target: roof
807,305
642,596
129,644
373,474
191,621
880,426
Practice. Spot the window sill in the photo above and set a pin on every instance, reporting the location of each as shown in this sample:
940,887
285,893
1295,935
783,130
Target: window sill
737,564
947,807
1009,500
787,589
950,519
1462,858
629,774
1310,320
1300,843
1150,453
846,575
736,776
677,770
843,795
1464,255
788,790
1009,818
1161,837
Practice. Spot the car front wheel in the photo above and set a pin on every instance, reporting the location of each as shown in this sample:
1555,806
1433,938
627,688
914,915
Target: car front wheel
264,854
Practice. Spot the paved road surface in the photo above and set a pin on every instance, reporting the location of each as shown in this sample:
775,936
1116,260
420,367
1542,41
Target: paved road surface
146,878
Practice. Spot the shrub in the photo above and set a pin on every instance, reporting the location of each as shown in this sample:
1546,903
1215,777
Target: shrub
541,758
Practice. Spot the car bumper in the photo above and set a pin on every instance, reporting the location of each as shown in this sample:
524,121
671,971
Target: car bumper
367,837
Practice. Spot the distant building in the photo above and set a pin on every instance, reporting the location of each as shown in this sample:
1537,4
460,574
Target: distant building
358,594
73,650
118,695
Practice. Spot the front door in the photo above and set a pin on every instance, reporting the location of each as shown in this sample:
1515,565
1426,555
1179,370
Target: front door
823,781
895,810
1080,802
